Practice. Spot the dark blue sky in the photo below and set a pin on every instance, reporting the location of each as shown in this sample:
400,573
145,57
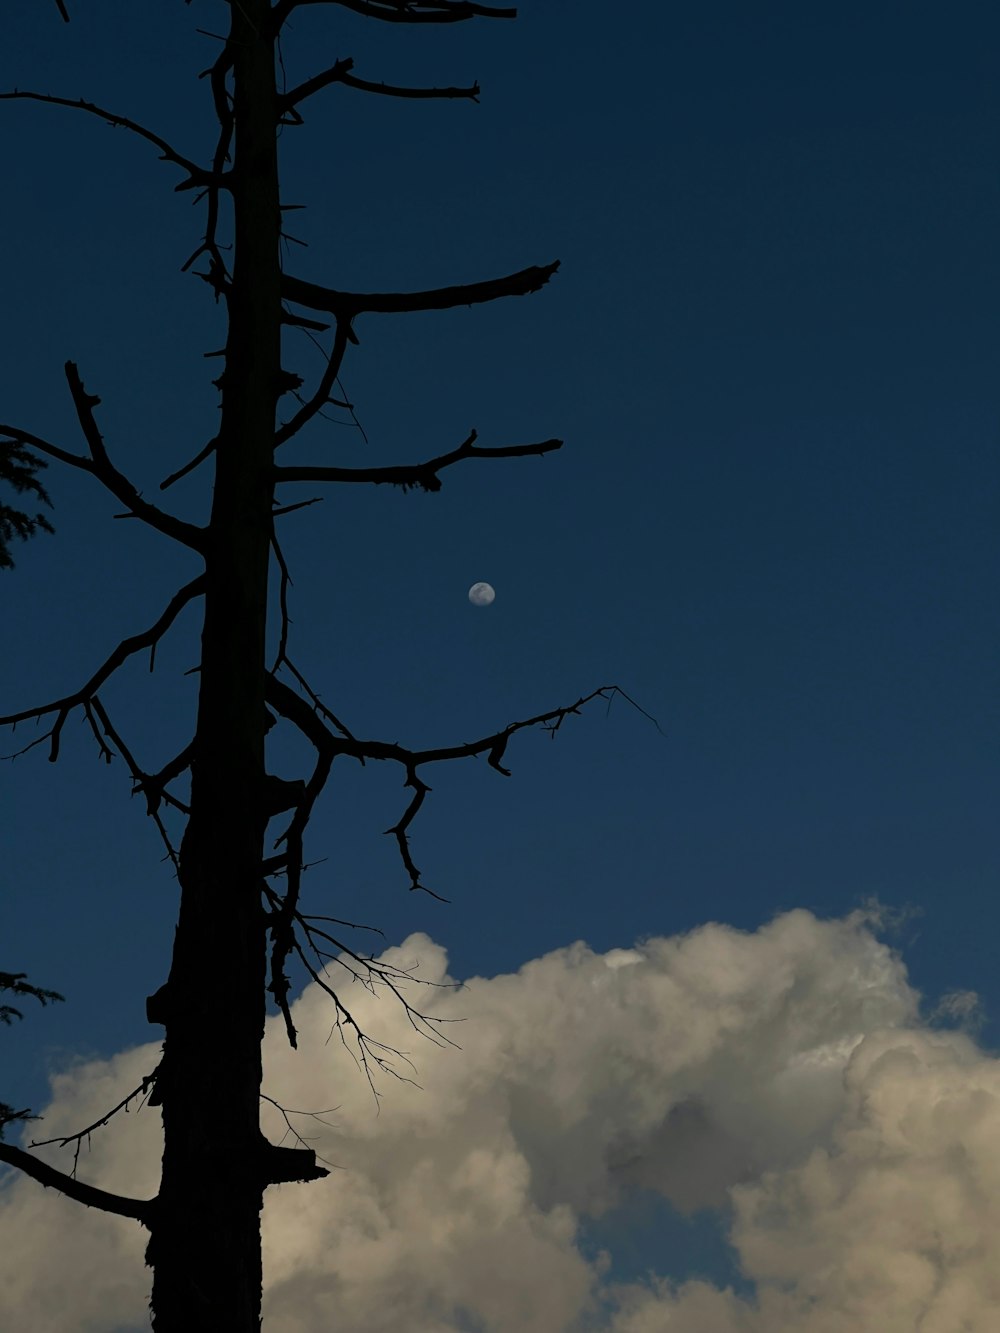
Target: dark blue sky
771,349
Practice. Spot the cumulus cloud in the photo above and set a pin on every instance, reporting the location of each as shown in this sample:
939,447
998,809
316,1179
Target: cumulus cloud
783,1076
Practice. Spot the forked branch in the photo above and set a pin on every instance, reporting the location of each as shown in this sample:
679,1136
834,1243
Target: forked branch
100,1123
153,785
100,466
340,72
63,707
224,114
293,707
324,389
97,713
370,1051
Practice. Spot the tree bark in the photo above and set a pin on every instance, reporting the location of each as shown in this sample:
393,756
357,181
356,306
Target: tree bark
205,1245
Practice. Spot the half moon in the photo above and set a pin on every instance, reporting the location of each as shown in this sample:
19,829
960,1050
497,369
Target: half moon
481,594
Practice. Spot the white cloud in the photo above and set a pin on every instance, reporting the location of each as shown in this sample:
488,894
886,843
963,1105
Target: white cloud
782,1074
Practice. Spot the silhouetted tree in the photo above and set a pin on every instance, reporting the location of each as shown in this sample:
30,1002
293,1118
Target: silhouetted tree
17,468
204,1222
19,984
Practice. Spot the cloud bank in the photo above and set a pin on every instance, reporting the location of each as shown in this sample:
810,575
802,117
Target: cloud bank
783,1076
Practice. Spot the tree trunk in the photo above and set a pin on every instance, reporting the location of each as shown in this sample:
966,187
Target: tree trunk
205,1235
204,1223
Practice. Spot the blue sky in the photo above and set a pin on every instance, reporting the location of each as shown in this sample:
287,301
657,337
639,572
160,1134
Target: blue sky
771,349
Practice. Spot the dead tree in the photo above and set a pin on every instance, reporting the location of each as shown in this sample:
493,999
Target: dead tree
204,1222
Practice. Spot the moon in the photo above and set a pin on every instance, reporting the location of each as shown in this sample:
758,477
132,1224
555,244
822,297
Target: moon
481,594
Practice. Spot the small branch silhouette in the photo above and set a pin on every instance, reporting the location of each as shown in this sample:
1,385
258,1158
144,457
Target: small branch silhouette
292,706
196,175
141,1091
324,389
420,475
340,72
139,1209
400,11
349,304
100,466
63,707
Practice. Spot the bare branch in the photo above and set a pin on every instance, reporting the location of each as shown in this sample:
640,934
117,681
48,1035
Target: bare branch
125,649
279,1165
335,74
322,395
198,175
399,832
78,1138
340,73
302,504
140,1209
401,11
422,475
284,915
283,587
371,973
393,90
374,973
368,1049
348,304
224,114
302,322
119,485
292,706
315,1115
140,780
107,754
317,702
153,785
281,658
351,925
15,435
100,466
190,466
280,925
